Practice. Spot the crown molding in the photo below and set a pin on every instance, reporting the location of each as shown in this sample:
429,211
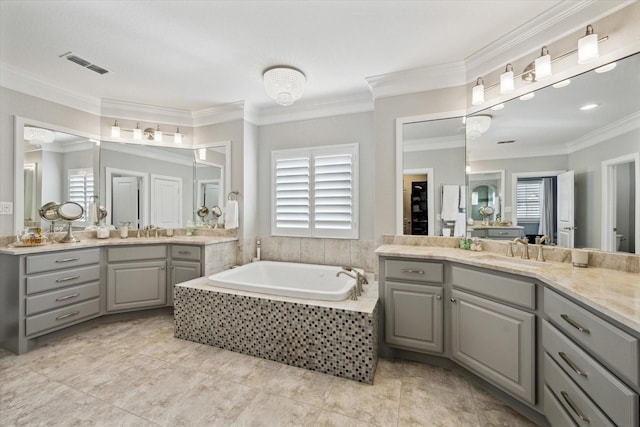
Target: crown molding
142,150
430,144
19,81
605,133
418,80
495,153
124,110
218,114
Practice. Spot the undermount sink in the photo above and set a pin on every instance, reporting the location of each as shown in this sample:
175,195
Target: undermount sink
516,261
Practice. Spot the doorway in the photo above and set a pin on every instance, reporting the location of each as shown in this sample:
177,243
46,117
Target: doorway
621,204
418,202
127,197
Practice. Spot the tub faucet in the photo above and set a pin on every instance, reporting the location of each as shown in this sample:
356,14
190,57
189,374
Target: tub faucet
525,246
355,292
361,279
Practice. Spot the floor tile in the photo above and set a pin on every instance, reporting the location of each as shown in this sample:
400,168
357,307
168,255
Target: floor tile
300,384
428,406
268,411
497,414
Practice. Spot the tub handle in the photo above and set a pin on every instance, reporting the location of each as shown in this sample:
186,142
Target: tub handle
411,271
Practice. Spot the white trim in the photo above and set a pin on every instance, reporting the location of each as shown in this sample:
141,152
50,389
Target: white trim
152,210
144,208
608,198
431,204
125,110
605,133
218,114
400,121
226,185
430,144
133,149
514,189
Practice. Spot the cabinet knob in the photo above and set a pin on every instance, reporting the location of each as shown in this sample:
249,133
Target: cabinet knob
453,299
162,268
438,296
173,266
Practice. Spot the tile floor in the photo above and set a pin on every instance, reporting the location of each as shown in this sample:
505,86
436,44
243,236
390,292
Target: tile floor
135,373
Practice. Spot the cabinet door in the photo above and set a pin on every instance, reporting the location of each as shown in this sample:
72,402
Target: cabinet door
182,271
413,318
495,341
136,285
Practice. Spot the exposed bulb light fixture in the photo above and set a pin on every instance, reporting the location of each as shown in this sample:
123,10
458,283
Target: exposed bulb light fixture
137,132
284,84
543,64
527,96
588,46
610,66
177,137
477,94
115,130
202,153
497,107
157,136
506,80
562,83
38,136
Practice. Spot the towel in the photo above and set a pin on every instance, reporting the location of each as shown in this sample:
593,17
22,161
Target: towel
463,197
231,214
450,197
459,230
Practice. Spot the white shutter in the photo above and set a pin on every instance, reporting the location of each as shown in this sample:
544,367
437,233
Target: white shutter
292,205
333,195
81,188
528,196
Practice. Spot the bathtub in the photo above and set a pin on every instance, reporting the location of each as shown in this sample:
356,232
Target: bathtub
309,281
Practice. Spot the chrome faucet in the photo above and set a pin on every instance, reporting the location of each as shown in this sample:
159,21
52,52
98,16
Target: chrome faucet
539,242
360,278
525,246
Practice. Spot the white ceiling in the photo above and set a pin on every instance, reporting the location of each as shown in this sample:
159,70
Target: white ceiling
194,55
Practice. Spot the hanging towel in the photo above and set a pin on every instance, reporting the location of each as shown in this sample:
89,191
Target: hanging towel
450,197
231,214
463,197
460,229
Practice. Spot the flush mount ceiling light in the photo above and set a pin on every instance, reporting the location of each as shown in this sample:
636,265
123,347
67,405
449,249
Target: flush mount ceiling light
39,135
284,84
477,93
588,46
506,80
477,125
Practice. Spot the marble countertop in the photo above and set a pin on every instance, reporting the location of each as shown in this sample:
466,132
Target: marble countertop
96,243
365,303
615,294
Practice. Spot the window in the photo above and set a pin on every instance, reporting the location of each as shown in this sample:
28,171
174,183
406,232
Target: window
529,199
315,192
81,188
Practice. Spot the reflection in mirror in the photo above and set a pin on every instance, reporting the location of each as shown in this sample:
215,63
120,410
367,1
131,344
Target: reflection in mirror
486,190
209,180
571,159
432,158
58,167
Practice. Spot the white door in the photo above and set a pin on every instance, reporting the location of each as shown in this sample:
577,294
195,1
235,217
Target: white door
566,208
166,201
125,200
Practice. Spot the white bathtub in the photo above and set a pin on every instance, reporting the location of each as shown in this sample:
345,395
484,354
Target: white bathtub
287,279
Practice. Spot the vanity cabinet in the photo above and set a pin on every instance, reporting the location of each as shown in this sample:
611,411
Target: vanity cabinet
497,233
591,366
414,305
493,329
185,265
136,277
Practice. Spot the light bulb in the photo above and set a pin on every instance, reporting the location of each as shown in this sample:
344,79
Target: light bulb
588,46
506,80
543,64
477,93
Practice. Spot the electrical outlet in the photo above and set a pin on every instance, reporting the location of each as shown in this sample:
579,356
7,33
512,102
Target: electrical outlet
6,208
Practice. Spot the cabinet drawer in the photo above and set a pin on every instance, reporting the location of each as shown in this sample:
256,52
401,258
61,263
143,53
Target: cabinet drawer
415,271
616,349
503,233
577,404
55,319
618,401
61,259
136,253
62,279
62,297
555,413
185,252
507,289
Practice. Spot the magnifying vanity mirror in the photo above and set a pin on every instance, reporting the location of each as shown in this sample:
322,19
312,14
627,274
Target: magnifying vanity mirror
569,159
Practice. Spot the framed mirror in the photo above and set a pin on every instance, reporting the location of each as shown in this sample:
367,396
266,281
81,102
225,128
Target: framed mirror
209,179
571,158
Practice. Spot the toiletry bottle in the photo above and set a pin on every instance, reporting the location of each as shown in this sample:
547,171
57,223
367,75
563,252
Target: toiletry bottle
258,249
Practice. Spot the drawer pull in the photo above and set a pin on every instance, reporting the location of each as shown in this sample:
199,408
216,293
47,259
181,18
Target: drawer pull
573,323
184,252
572,405
64,316
571,364
408,270
66,297
453,299
66,279
66,259
503,233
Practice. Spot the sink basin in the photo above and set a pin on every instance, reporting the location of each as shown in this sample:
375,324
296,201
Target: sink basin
515,261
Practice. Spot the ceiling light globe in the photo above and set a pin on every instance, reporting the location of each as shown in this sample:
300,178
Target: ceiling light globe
283,84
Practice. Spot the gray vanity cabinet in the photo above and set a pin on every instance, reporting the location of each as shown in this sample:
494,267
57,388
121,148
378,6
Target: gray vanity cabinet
185,265
491,338
136,277
414,305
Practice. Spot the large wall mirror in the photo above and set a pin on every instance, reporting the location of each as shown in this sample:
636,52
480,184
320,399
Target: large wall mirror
430,175
569,158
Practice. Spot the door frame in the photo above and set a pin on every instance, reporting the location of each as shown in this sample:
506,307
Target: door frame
607,236
430,199
144,191
514,188
152,197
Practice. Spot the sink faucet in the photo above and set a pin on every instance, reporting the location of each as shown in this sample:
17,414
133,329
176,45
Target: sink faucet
525,246
539,242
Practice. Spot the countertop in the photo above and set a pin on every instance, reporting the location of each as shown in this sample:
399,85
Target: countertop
615,294
96,243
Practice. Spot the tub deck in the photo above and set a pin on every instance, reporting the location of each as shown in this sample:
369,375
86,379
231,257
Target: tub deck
334,337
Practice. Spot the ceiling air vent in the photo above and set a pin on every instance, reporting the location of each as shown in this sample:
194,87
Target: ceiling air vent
511,141
84,63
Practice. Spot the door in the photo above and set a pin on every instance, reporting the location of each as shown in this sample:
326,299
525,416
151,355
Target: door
125,198
566,210
414,316
495,341
166,201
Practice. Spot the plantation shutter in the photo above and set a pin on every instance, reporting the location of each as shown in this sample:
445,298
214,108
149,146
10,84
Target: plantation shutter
292,190
333,196
528,195
81,188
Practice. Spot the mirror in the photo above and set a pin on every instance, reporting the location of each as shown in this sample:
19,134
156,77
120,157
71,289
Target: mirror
158,185
486,195
209,172
430,158
58,166
570,159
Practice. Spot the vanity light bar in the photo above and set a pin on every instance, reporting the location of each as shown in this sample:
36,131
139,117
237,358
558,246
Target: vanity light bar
137,133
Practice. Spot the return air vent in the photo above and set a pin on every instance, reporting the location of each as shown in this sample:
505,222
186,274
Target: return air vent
84,63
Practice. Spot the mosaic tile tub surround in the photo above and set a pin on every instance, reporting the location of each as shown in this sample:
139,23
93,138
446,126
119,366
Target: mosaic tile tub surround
329,338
